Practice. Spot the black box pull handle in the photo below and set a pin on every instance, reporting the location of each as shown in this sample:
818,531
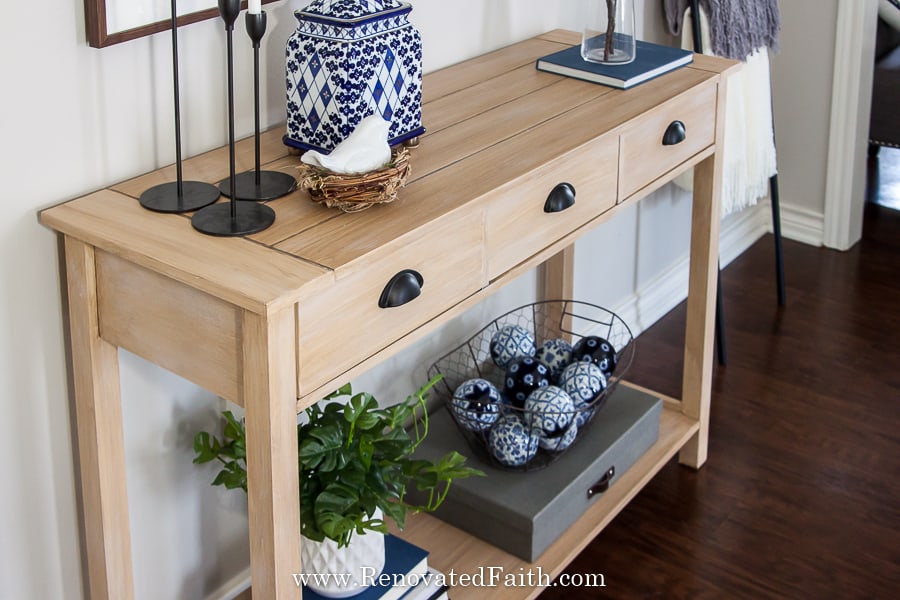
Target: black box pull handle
602,485
403,287
675,134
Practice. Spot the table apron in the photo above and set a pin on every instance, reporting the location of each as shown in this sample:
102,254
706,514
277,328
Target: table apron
171,324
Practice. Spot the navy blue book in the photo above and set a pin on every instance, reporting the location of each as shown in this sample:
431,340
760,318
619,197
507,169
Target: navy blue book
650,60
402,561
433,587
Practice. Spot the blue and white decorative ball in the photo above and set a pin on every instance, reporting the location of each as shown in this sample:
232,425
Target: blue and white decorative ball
524,375
476,404
583,381
556,354
597,350
549,409
509,343
560,440
583,415
512,442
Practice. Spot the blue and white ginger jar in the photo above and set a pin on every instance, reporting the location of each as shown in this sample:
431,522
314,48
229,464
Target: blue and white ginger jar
349,59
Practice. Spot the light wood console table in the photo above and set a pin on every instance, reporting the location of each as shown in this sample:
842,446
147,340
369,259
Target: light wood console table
260,320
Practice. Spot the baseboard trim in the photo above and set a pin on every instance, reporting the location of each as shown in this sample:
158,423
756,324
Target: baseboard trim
236,588
803,225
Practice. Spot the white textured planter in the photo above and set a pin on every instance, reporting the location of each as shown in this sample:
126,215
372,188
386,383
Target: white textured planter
341,572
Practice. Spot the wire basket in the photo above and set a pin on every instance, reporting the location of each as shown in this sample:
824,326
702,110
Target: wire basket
524,436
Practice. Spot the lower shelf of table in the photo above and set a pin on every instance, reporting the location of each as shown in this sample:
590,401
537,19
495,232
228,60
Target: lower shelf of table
453,549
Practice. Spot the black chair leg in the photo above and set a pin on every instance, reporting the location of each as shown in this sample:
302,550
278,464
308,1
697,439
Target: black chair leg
695,26
720,322
776,229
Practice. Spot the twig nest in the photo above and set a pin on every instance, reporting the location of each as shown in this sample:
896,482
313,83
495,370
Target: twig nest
353,193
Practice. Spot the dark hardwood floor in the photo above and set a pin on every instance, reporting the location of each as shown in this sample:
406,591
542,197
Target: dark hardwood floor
800,497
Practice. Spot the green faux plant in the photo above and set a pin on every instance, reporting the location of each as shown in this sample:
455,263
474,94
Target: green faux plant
353,457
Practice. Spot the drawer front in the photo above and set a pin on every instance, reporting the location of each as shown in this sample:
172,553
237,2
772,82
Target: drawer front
644,156
347,325
531,213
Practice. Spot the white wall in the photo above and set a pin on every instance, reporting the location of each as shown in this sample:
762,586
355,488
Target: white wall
821,109
75,119
801,91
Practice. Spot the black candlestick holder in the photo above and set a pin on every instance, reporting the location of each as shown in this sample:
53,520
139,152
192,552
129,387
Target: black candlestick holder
258,184
178,196
232,218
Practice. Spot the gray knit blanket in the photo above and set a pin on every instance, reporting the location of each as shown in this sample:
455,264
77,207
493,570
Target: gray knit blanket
737,28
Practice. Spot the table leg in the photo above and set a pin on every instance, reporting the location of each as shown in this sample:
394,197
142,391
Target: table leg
559,275
700,326
270,401
101,451
559,284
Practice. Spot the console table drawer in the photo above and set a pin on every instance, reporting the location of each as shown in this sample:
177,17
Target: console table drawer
526,215
655,143
345,325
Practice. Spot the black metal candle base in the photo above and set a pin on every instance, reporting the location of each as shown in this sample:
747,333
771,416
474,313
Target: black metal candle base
164,197
247,218
270,185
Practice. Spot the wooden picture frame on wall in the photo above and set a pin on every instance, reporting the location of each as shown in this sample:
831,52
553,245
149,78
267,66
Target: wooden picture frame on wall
100,33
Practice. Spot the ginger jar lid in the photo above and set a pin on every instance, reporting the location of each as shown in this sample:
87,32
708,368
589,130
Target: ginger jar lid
351,11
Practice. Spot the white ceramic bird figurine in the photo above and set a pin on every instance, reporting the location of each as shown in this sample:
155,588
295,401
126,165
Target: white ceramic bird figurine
365,149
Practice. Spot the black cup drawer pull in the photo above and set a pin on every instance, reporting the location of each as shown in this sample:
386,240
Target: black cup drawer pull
561,197
602,485
403,287
675,134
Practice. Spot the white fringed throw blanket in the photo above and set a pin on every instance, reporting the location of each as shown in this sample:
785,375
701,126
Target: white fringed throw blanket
749,150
